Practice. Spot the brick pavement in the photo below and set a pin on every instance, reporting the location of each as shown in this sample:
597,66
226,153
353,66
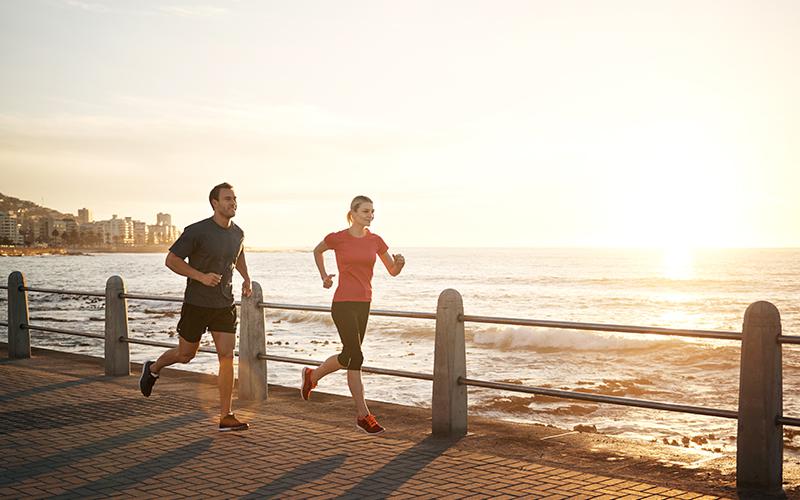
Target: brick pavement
69,432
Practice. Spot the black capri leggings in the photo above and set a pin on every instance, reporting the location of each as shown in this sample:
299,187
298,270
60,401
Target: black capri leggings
351,319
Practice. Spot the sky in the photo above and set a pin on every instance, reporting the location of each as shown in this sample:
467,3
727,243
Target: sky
469,123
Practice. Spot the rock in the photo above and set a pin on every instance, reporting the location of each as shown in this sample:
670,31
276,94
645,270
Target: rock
585,428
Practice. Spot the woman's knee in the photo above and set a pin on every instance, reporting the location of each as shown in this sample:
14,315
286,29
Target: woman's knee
350,360
356,360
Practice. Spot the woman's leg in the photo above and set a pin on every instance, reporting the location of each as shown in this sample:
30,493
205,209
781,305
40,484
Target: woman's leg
357,391
354,381
330,365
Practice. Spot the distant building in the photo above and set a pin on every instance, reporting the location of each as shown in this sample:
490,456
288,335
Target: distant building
84,216
163,231
139,233
9,229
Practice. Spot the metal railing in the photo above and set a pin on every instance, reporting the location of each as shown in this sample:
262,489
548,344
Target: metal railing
759,436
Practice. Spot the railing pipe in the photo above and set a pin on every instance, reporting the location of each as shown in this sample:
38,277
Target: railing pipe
19,339
601,327
252,343
39,328
365,369
155,343
759,437
600,398
372,312
789,339
141,296
449,403
64,292
117,354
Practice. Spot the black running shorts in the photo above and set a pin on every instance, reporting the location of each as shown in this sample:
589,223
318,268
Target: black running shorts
195,320
351,321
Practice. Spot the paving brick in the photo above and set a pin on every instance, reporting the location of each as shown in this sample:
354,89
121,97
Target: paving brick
91,442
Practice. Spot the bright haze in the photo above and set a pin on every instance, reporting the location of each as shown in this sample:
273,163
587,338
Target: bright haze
488,124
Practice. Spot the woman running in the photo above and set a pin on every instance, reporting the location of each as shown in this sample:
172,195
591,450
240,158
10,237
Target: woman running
355,249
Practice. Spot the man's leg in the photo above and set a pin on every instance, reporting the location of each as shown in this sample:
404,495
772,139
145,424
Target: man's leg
184,353
225,343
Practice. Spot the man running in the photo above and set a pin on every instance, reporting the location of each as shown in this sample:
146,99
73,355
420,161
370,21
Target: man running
214,246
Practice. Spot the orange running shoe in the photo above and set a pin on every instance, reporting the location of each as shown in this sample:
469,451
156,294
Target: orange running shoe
305,383
369,425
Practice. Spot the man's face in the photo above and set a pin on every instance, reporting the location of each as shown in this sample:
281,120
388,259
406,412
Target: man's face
226,205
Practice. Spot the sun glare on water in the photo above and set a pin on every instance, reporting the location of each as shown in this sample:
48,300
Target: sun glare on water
678,263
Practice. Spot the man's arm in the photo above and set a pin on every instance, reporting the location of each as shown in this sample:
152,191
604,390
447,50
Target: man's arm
180,266
241,266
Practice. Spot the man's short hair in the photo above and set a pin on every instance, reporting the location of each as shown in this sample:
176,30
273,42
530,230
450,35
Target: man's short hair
214,194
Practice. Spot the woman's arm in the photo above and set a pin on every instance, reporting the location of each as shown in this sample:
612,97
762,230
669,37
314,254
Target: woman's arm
394,263
327,279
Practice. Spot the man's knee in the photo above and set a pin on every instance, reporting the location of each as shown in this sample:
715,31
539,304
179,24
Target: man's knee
225,357
185,357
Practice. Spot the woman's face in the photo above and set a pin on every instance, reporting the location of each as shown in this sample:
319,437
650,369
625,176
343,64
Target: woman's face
364,214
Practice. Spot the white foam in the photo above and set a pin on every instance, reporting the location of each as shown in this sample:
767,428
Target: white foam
556,339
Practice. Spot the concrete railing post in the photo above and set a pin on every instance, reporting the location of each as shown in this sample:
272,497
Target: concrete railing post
117,353
252,342
759,438
449,364
19,337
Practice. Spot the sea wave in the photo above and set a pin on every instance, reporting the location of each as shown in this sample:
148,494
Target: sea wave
542,339
307,317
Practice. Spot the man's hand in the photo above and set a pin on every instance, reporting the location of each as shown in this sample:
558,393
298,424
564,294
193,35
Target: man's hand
210,279
327,282
247,288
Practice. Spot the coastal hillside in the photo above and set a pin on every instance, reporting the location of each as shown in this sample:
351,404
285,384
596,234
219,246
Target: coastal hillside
29,208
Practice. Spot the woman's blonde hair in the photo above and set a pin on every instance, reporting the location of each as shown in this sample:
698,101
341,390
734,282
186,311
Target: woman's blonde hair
357,201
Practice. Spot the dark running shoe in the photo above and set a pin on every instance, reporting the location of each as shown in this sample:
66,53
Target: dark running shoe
369,425
305,383
147,380
230,423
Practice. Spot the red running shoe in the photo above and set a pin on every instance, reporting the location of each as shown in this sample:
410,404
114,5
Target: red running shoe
305,383
369,425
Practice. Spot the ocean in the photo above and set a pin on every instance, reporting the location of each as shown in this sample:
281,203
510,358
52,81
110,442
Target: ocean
707,289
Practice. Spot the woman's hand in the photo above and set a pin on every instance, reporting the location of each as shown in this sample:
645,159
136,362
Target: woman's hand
247,288
327,281
399,261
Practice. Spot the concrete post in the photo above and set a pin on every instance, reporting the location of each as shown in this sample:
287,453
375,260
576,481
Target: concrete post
449,363
252,342
117,354
759,439
19,338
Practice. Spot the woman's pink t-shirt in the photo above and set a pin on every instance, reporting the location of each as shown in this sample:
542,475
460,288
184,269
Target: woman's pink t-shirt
355,258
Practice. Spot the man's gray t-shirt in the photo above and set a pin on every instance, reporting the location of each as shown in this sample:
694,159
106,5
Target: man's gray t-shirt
211,249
